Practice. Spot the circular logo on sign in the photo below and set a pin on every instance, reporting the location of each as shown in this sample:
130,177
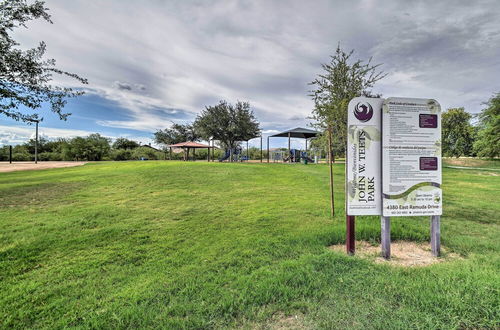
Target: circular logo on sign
363,111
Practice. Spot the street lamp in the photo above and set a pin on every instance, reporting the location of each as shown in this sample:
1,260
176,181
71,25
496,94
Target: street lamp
36,121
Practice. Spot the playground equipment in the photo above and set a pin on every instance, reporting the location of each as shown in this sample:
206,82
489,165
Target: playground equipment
235,154
295,156
299,132
278,155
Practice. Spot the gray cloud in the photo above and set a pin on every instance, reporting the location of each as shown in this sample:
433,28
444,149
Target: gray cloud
192,54
122,85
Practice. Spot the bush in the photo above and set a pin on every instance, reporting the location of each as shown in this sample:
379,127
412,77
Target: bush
121,154
146,153
21,157
54,156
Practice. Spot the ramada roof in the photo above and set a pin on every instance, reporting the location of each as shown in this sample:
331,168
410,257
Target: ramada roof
189,144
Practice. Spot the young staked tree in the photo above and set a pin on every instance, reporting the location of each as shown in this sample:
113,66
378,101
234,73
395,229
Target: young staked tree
342,79
25,76
488,137
457,132
228,123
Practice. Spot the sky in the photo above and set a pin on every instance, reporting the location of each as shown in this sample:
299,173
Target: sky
151,63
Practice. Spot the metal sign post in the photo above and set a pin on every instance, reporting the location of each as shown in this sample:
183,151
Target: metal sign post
435,235
385,239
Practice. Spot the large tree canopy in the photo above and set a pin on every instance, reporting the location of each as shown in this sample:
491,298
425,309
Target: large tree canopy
342,79
228,123
176,134
125,144
488,138
25,76
457,133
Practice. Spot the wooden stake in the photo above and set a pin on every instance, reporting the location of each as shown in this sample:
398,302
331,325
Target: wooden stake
436,235
385,229
332,202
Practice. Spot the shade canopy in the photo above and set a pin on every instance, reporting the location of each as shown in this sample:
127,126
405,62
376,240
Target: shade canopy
298,132
189,144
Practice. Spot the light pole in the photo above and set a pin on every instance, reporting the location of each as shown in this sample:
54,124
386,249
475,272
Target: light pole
36,121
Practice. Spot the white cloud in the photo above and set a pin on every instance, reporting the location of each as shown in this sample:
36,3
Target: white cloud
153,56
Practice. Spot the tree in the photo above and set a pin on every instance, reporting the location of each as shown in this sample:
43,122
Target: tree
126,144
176,134
92,148
25,76
488,137
457,133
342,80
228,123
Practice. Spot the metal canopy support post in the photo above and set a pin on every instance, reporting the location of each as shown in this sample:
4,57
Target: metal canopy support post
385,229
289,146
208,154
268,149
261,148
435,235
350,242
10,154
213,150
306,145
170,153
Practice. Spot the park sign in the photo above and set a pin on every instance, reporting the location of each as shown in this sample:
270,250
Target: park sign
411,157
393,164
363,184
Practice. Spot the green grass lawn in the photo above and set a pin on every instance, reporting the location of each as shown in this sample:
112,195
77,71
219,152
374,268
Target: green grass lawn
198,245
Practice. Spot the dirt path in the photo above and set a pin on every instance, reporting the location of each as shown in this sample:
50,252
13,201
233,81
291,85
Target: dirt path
25,166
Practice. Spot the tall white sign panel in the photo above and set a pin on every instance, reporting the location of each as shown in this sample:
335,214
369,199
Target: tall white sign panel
411,157
364,181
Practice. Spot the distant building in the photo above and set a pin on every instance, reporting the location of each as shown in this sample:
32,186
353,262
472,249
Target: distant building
150,147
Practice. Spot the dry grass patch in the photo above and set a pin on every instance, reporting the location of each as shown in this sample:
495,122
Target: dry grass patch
406,254
27,166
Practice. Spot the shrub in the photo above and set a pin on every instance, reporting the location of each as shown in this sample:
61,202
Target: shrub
121,154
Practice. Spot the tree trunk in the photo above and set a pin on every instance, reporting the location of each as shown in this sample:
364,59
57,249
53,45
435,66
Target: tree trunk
330,165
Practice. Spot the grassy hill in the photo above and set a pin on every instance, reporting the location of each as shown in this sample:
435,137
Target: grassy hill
198,245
